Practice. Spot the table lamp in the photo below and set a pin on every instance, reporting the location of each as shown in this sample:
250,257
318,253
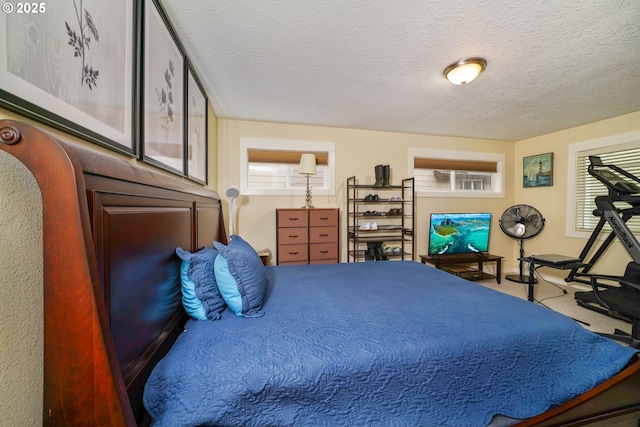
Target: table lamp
308,168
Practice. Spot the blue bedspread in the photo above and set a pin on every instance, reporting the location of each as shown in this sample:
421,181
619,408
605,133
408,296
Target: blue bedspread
377,344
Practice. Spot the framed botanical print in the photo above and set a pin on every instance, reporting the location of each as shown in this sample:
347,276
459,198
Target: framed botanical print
71,66
163,93
538,170
196,153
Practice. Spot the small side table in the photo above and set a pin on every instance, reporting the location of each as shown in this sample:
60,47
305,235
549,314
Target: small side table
558,262
264,255
454,264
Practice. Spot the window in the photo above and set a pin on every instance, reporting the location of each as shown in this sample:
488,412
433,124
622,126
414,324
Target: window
442,173
622,151
270,167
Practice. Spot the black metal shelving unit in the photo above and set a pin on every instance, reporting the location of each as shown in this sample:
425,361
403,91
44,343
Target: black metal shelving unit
392,209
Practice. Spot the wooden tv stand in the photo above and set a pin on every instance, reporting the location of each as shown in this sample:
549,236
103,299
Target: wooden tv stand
458,264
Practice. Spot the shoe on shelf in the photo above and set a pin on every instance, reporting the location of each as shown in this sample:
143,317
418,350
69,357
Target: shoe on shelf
373,225
371,198
366,225
396,250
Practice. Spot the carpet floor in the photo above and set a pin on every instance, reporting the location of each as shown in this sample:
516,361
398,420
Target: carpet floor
560,298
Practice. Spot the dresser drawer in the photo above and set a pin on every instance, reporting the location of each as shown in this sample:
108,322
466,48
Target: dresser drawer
323,217
289,253
293,236
308,236
323,234
318,251
324,261
297,218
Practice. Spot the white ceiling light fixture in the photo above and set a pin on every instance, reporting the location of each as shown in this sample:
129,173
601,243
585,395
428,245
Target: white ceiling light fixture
464,71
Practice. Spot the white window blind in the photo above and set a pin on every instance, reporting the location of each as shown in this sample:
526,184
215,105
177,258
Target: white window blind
588,187
270,167
269,176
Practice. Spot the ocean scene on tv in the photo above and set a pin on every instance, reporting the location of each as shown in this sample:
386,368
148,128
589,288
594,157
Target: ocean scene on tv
459,233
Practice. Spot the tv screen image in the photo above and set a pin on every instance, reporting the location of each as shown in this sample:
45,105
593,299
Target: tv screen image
455,233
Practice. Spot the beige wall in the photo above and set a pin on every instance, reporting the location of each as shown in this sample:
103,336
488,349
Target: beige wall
357,153
21,296
551,201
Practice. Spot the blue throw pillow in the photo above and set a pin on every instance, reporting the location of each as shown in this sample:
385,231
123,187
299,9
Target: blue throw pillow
241,277
200,294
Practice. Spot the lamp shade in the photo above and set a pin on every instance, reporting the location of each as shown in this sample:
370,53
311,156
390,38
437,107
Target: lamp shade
307,164
465,70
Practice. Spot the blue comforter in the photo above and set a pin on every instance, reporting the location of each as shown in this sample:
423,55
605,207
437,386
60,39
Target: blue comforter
377,344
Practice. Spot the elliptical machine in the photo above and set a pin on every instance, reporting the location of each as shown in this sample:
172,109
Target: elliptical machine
623,187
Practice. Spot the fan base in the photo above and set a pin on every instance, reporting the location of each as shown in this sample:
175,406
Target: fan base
519,278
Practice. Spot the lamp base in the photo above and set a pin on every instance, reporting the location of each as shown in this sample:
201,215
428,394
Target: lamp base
308,204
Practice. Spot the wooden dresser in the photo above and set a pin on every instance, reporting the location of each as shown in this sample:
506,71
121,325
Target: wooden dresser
307,236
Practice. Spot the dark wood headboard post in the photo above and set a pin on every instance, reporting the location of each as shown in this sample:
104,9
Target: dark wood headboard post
71,396
112,300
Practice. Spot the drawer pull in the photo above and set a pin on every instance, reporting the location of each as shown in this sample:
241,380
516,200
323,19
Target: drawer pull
294,253
293,219
294,236
324,252
324,235
324,218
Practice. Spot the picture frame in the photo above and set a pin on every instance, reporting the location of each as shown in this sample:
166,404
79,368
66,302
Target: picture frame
196,153
58,67
537,170
163,83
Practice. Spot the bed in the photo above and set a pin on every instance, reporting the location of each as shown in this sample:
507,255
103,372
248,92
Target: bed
419,342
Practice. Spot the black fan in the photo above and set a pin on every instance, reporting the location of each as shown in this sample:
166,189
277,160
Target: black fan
521,222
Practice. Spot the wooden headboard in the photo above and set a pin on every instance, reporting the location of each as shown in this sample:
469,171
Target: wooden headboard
112,303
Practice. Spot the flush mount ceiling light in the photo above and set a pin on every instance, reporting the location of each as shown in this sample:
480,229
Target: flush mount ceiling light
465,70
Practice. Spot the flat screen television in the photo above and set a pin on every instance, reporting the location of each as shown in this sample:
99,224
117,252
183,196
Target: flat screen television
456,233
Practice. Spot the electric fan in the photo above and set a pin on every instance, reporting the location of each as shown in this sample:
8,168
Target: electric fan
521,222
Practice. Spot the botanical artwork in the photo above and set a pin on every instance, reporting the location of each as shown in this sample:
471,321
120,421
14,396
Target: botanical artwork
81,42
538,170
163,94
73,64
197,131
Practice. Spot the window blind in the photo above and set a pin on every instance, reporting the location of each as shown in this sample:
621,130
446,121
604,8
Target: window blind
283,156
588,187
455,165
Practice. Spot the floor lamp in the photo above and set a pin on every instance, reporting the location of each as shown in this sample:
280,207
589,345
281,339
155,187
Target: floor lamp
232,194
308,168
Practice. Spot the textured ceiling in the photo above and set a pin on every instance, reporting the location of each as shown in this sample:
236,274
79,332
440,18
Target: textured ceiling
376,64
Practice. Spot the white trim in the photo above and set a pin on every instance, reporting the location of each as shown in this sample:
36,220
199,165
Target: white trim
247,143
574,150
497,185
